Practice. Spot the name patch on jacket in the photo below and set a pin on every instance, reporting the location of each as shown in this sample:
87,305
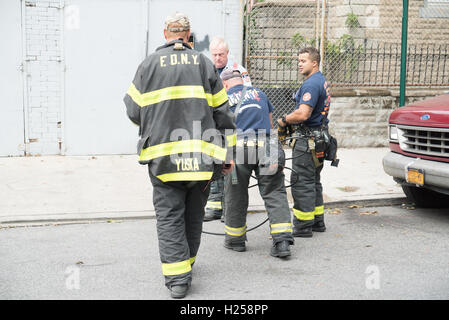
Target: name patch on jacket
175,59
187,164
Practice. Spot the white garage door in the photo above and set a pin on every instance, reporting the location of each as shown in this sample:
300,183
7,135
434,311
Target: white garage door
105,41
11,86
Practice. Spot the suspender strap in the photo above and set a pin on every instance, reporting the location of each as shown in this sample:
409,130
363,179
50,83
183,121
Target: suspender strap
237,108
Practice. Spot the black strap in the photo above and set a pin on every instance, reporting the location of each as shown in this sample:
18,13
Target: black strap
236,113
237,108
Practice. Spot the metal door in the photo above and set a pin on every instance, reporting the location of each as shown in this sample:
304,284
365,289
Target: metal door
12,138
104,42
206,21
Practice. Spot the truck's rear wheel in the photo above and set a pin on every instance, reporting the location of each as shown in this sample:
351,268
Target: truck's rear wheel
426,198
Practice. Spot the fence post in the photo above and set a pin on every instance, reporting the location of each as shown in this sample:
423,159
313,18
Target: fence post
246,32
323,13
403,52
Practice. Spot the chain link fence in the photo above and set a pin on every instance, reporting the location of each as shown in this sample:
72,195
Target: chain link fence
359,41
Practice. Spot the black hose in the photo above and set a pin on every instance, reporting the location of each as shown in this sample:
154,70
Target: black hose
263,222
223,234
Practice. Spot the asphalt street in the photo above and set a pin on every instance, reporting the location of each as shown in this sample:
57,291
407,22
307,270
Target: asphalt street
395,252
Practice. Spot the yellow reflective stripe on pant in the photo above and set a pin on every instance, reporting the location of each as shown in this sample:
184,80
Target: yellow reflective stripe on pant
176,268
301,215
213,205
176,92
319,210
281,227
182,146
185,176
236,232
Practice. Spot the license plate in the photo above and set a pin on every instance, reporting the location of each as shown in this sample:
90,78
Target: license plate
416,176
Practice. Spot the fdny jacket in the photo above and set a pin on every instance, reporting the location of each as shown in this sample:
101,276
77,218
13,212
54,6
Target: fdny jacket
178,101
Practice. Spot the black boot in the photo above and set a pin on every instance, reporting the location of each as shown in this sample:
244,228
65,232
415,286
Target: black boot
304,232
319,226
179,291
281,249
212,215
236,246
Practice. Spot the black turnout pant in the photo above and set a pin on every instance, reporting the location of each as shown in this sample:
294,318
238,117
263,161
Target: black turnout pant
179,210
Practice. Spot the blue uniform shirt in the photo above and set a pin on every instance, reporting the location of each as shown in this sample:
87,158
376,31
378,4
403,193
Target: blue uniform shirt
254,111
315,93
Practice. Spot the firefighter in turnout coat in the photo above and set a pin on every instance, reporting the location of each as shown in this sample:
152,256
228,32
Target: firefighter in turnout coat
186,128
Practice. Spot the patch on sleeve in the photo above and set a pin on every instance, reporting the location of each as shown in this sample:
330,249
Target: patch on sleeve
306,96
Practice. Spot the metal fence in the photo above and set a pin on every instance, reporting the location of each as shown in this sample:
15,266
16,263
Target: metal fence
360,44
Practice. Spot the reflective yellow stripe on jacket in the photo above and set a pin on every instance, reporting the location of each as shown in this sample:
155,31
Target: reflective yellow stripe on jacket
218,99
182,146
231,139
185,176
176,92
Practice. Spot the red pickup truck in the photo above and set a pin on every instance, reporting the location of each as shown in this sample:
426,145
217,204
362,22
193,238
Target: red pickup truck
419,151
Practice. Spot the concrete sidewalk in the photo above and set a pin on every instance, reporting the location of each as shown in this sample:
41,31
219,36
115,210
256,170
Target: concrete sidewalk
55,188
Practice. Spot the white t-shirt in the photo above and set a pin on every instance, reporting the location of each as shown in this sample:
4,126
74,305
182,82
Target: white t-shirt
237,66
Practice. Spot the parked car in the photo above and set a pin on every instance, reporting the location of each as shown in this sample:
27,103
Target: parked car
419,151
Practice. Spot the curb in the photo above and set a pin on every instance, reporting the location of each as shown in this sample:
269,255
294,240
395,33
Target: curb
381,202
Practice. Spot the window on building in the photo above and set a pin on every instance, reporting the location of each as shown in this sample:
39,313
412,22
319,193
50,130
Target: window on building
434,9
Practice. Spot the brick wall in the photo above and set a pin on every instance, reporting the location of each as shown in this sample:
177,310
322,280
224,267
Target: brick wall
381,20
43,68
359,117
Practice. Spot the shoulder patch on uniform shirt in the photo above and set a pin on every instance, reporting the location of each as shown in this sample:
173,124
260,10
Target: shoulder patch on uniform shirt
306,96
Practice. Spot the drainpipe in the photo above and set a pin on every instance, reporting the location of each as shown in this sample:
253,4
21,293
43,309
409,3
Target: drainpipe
403,53
24,68
317,17
61,124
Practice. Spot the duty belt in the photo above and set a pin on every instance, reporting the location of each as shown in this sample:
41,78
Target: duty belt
303,131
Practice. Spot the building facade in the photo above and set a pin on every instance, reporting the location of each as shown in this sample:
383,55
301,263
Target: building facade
70,63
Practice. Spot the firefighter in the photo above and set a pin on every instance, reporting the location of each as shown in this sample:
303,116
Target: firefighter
311,135
175,98
219,50
259,151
